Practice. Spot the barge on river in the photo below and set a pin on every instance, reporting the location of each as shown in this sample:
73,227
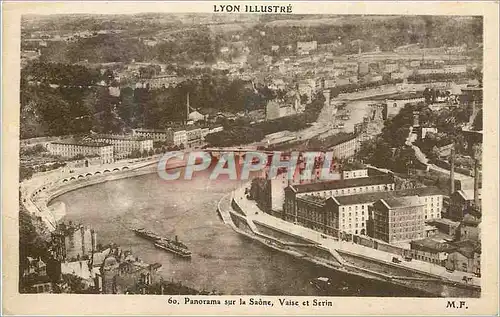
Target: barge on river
174,246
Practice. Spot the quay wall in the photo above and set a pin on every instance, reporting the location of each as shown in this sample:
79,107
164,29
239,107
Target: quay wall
36,198
344,261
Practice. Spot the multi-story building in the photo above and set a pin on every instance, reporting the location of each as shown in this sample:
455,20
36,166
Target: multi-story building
162,81
272,110
123,146
430,250
472,98
71,149
156,135
398,75
193,135
178,137
461,203
344,146
121,272
389,68
173,136
337,189
307,87
470,228
315,213
445,226
466,258
344,187
430,71
74,242
355,173
455,69
351,213
398,219
354,211
306,47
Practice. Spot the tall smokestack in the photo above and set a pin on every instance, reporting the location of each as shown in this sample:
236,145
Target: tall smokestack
187,107
452,170
476,183
477,156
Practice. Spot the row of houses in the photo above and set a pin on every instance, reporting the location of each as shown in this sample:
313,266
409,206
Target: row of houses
188,136
107,147
110,147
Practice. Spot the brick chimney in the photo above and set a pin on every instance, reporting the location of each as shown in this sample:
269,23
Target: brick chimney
452,170
477,156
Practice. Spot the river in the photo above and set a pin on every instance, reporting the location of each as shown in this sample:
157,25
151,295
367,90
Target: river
222,259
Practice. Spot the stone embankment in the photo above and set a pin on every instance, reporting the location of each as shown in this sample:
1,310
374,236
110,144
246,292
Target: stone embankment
41,189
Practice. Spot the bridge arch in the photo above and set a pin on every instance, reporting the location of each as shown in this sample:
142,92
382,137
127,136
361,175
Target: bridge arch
125,168
72,178
88,174
80,176
65,180
107,171
97,173
116,169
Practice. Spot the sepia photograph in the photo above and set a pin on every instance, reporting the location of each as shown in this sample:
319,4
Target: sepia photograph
252,155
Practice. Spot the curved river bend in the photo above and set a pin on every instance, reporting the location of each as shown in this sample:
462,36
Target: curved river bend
222,259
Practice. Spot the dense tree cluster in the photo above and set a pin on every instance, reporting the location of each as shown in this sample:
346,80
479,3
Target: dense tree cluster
201,43
387,33
71,109
60,74
30,242
428,78
389,149
240,132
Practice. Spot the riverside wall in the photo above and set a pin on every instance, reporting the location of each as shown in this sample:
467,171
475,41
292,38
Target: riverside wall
342,260
37,193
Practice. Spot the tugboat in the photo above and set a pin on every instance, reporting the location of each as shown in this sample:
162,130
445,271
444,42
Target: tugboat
174,246
147,234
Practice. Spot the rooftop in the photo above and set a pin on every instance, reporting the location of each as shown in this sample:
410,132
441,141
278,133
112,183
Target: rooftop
406,201
82,143
445,221
313,199
118,137
151,130
338,139
345,183
353,166
468,247
432,245
372,197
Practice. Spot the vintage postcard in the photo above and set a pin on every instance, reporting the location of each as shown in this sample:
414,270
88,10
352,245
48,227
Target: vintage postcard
244,158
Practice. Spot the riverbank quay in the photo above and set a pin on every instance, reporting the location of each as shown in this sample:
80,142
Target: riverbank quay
246,218
38,191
